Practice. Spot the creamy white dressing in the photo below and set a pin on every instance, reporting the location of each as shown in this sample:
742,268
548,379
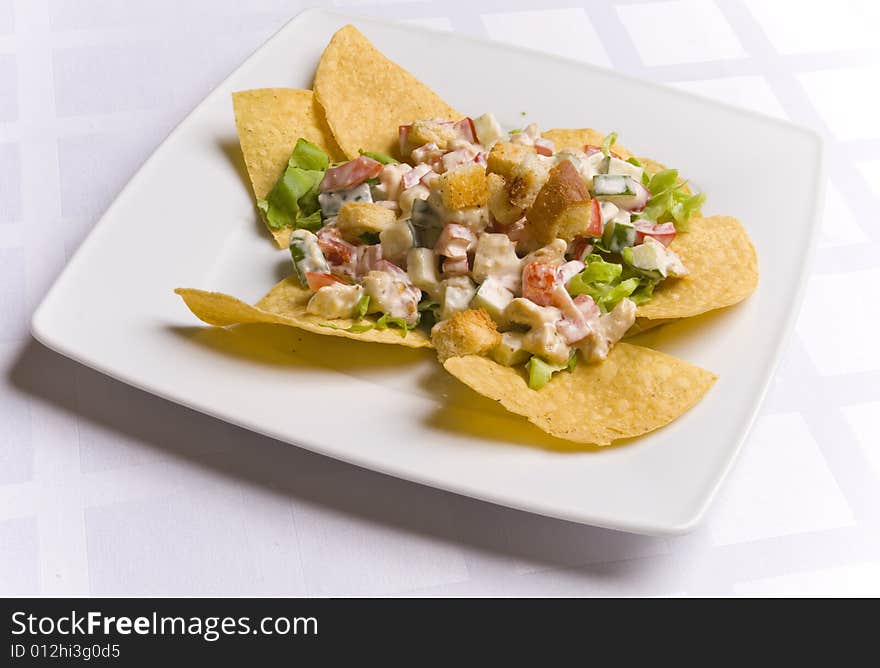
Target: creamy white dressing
473,257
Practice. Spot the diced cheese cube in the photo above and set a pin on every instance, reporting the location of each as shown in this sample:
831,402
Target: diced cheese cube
455,295
510,351
421,266
493,297
618,166
495,256
488,130
337,300
396,240
526,312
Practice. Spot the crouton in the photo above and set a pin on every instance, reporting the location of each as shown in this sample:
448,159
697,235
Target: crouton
464,186
363,221
499,205
470,332
527,179
562,208
504,156
425,132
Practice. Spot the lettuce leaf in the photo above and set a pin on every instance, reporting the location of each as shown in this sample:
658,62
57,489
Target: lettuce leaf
605,282
293,201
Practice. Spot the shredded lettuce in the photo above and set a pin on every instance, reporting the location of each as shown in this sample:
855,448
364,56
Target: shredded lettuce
308,156
669,202
644,292
362,305
293,201
604,282
663,181
684,207
599,271
383,322
541,372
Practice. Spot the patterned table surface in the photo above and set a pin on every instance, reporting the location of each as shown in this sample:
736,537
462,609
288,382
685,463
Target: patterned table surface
108,490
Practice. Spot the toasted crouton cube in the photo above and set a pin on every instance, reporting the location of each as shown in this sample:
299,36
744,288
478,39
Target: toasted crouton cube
504,156
527,179
464,186
425,132
499,204
363,221
470,332
562,208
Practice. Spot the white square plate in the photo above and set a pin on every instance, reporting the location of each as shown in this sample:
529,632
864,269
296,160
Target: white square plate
187,219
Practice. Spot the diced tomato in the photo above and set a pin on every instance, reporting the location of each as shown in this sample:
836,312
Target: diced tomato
391,268
318,279
466,128
586,305
515,231
414,175
456,158
589,149
569,270
595,227
368,258
351,174
579,248
663,233
580,315
455,241
575,325
336,250
403,137
544,146
538,281
429,154
456,266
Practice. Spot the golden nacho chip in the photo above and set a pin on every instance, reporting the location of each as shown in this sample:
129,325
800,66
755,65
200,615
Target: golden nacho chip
723,268
634,391
269,121
577,139
366,97
285,304
642,325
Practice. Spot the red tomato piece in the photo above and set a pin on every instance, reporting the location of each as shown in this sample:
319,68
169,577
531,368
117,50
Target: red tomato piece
350,174
538,281
663,233
595,228
318,279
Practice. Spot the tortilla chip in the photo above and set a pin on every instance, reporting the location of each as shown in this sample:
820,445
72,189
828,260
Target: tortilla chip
642,325
269,121
285,304
366,97
634,391
577,139
723,269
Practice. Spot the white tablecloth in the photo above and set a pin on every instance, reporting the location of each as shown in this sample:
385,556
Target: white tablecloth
108,490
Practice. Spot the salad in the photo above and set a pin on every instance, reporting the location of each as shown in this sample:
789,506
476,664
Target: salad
548,252
522,257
